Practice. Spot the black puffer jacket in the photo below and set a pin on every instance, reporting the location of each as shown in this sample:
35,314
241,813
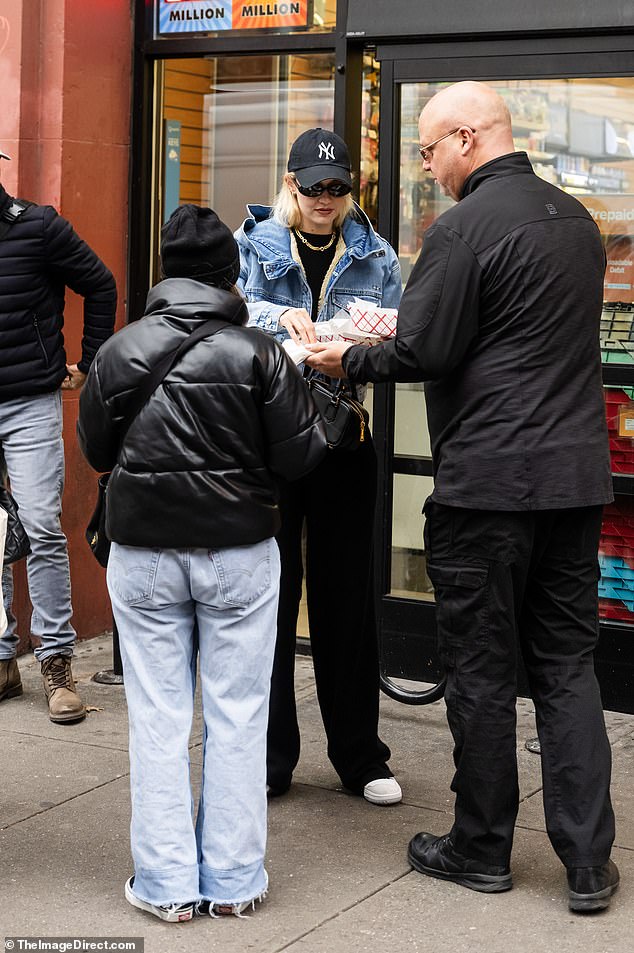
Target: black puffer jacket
199,463
40,256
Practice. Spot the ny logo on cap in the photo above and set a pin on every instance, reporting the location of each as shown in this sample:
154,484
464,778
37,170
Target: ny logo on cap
326,151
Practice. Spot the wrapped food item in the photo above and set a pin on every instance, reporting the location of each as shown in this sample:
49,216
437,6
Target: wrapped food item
341,328
354,324
373,319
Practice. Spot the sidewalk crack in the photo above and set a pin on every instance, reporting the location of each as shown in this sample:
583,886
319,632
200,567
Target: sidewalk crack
335,916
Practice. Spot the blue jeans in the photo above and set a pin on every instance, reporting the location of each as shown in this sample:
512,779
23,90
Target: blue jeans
170,606
31,442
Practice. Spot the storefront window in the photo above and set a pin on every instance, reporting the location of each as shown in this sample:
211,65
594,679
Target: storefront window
409,572
579,134
226,125
369,172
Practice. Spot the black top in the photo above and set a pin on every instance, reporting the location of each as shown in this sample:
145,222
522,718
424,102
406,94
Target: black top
501,316
316,264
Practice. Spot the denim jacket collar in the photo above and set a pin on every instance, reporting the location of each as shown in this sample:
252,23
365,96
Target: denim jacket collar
273,245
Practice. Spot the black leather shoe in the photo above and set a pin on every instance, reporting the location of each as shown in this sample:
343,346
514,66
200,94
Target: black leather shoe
437,857
590,888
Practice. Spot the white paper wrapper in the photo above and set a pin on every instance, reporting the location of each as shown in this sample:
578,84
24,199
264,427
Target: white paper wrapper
296,352
352,325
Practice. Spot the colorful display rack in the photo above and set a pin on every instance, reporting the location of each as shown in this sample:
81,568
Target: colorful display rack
616,560
616,548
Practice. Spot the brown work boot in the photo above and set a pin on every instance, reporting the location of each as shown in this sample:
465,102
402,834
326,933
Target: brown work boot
64,704
10,681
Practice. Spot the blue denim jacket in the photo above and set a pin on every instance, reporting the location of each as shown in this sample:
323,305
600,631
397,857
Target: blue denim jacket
271,280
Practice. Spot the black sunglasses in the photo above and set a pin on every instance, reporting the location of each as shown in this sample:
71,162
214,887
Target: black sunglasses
336,189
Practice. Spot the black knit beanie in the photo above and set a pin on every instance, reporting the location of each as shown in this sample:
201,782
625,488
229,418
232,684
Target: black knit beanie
196,244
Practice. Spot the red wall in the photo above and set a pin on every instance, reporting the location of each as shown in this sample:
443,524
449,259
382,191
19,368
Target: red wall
65,71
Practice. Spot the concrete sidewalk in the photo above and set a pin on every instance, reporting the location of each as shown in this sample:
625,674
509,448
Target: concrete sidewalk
340,881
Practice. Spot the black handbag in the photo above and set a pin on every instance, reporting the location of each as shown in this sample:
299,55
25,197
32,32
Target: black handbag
96,530
17,544
345,418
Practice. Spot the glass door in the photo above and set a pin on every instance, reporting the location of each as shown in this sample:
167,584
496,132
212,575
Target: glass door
225,125
579,134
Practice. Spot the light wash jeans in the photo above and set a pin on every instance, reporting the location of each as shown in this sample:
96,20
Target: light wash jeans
169,606
31,442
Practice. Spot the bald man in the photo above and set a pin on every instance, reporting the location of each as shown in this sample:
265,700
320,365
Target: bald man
500,318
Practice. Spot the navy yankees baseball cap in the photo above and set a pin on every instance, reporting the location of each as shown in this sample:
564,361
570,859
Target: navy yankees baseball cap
319,154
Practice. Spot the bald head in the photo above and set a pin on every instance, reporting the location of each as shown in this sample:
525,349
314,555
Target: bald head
476,105
467,124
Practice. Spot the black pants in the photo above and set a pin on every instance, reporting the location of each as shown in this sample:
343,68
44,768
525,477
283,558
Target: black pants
337,501
527,581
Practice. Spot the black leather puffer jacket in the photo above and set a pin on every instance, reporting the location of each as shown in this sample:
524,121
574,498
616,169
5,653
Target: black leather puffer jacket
40,256
199,464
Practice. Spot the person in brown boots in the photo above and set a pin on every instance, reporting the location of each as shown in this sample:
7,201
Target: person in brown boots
41,255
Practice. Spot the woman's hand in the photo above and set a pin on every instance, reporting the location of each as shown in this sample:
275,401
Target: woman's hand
299,325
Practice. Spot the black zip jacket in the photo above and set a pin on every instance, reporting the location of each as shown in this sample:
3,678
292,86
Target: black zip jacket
40,256
501,317
199,465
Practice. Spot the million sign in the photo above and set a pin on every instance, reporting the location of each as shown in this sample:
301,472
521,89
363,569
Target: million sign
199,16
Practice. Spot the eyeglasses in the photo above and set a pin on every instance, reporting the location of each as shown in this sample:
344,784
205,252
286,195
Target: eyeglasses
426,151
336,189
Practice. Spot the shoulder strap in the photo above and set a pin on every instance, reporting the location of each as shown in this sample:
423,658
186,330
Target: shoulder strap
12,214
164,366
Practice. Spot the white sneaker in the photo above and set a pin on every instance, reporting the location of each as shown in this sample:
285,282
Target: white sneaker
173,913
383,791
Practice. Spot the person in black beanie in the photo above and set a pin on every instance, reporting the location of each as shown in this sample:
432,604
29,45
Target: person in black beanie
196,244
193,572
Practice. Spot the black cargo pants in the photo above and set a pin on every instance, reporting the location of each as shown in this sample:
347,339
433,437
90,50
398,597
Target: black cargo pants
522,581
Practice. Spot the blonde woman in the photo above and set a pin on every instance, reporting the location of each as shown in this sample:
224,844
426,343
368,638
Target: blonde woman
300,262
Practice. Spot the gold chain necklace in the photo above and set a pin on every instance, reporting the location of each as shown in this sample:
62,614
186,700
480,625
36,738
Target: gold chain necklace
315,247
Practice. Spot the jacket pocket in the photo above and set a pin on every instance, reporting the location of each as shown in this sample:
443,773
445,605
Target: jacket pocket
39,338
462,603
343,297
268,296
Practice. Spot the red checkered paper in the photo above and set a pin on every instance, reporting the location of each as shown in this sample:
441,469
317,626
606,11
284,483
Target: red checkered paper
342,329
373,319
